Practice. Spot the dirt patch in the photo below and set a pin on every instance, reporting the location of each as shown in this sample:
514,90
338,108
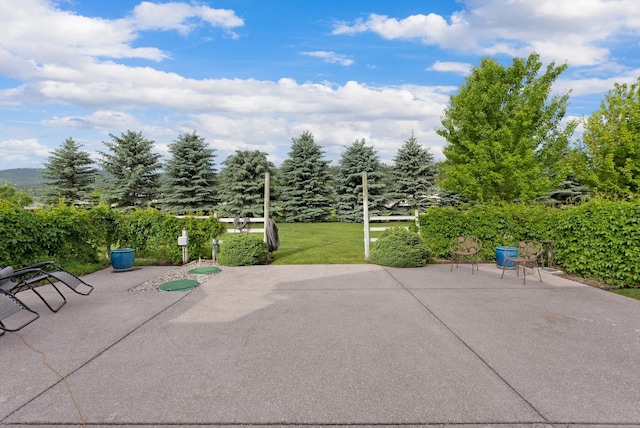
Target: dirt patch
590,282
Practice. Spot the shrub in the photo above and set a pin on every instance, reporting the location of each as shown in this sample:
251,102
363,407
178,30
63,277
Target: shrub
398,247
242,249
66,235
598,239
601,240
493,224
22,236
154,234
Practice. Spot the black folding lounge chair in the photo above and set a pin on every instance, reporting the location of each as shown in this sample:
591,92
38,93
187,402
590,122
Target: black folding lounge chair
31,277
11,309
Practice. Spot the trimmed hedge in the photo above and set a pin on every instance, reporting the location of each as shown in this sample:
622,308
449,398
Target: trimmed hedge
601,240
399,247
63,233
598,239
155,234
242,249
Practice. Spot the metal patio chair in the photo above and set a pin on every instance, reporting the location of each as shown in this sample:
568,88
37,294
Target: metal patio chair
11,309
34,276
465,248
529,253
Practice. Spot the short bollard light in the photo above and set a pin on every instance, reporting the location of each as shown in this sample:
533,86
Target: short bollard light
183,241
214,249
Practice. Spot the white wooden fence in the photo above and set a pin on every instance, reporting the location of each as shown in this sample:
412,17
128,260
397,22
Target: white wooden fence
368,229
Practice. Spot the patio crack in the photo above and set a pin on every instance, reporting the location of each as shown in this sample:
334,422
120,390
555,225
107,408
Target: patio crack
466,345
67,375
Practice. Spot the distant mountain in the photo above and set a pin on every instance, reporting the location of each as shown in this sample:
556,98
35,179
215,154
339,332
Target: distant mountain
21,177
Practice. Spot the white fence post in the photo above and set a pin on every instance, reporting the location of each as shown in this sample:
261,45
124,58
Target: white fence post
365,213
267,180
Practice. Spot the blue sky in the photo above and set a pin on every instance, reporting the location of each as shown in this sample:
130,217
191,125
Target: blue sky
253,74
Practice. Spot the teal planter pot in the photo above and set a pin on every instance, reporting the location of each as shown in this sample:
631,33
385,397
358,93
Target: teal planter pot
502,253
122,259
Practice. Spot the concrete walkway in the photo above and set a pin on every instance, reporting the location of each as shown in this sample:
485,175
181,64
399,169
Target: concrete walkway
329,345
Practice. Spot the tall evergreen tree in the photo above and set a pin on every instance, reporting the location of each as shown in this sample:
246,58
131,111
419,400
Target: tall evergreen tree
241,188
304,181
132,180
188,185
505,136
357,158
413,174
68,173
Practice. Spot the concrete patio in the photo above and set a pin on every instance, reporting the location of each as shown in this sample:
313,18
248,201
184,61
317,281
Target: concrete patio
329,345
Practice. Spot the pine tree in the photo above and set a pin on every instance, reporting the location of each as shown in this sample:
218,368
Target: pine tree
413,174
68,173
132,178
190,177
241,188
358,158
304,181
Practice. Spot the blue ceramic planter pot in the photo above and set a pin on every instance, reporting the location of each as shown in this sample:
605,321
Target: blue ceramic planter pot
122,259
502,252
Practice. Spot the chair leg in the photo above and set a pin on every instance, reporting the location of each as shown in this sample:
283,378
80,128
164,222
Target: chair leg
539,274
456,261
64,301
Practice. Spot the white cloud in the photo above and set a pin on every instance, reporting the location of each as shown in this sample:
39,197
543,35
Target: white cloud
39,39
330,57
105,120
180,16
461,68
28,151
39,33
558,30
591,86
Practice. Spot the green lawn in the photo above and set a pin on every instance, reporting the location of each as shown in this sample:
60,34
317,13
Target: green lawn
629,292
323,243
319,243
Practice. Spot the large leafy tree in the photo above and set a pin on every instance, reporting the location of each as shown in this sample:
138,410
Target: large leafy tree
358,158
132,168
68,173
189,181
9,193
413,174
304,180
504,133
608,159
241,188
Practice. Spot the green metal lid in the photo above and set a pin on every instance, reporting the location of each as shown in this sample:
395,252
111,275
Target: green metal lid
179,285
204,270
